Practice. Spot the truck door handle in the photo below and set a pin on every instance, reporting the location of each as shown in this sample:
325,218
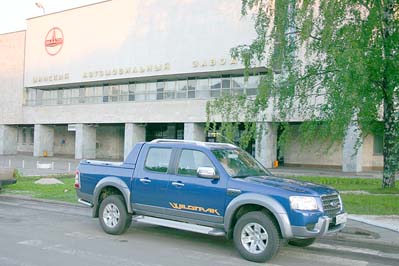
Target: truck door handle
145,180
178,184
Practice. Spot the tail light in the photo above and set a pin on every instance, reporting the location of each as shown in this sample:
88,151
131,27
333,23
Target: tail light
77,179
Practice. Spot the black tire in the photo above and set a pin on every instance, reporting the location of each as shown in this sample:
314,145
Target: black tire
113,216
262,224
301,242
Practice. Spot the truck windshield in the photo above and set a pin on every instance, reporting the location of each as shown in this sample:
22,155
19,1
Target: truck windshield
239,164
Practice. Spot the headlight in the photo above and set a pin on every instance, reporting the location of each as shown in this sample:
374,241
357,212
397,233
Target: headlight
303,203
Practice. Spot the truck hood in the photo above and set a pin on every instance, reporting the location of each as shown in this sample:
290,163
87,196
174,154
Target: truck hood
290,185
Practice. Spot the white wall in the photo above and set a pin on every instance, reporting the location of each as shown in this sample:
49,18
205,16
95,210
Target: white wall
11,77
135,112
316,153
369,159
133,38
110,141
64,140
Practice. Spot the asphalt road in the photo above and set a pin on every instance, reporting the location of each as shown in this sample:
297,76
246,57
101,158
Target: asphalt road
40,234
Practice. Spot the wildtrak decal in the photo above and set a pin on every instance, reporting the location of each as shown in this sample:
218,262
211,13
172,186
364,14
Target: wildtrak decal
179,206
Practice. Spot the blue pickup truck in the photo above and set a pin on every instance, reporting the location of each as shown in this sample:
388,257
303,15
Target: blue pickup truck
212,188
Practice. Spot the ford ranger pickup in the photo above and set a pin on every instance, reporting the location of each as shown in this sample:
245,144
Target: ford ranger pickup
212,188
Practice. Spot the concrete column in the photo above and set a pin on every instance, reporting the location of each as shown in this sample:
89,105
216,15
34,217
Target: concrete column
43,140
85,142
194,131
352,150
8,139
266,144
134,133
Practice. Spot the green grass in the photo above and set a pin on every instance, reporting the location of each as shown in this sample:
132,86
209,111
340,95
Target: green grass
61,192
371,204
385,203
371,185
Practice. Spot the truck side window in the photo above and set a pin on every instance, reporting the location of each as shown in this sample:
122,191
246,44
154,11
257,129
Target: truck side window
190,160
158,159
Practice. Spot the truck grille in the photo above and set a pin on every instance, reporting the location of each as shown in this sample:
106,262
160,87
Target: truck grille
331,204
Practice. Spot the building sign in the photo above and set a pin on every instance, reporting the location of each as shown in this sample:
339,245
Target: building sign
122,71
54,41
214,62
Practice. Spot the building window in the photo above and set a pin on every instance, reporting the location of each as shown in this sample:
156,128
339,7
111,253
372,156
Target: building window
226,86
192,85
378,145
252,85
191,88
170,90
132,90
181,89
24,135
215,84
151,92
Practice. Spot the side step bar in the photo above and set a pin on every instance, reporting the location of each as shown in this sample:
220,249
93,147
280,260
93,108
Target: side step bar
180,225
82,201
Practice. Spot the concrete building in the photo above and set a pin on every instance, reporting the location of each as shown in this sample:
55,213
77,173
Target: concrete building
91,82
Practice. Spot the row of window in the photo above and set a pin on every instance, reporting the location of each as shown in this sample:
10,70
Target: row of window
203,88
190,160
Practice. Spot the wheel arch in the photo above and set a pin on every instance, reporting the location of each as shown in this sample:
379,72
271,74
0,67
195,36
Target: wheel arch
110,185
255,202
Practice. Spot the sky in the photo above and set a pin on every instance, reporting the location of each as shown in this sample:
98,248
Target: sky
13,13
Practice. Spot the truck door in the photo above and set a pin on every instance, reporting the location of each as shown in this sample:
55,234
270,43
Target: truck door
151,179
193,197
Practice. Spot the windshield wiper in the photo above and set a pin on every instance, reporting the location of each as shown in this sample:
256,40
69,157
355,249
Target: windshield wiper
240,176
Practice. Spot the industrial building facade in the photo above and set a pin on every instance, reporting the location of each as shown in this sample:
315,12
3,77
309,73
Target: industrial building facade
92,81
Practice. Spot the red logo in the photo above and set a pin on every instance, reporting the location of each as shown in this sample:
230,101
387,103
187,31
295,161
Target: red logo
54,41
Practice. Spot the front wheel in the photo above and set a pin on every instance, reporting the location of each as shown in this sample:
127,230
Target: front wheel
114,218
256,237
301,242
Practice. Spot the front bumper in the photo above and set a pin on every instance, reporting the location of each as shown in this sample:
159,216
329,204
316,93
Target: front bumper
325,225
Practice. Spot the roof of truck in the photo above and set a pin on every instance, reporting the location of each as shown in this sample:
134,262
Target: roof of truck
210,145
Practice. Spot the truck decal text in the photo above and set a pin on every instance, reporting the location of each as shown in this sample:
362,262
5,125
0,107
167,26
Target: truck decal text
179,206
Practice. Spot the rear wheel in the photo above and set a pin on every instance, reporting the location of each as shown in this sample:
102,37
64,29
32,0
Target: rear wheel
302,242
113,216
256,237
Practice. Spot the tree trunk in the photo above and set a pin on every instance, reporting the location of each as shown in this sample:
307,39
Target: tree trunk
390,145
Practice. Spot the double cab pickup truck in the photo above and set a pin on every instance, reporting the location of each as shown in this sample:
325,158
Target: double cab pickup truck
212,188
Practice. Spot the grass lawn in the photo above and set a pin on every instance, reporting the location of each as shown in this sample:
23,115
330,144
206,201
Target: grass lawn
379,202
62,192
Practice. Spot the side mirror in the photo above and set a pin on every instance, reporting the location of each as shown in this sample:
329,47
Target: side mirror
207,172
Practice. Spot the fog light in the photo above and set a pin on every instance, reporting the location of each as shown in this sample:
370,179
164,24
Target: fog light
310,227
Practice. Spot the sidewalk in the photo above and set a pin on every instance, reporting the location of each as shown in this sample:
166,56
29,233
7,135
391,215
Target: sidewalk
390,222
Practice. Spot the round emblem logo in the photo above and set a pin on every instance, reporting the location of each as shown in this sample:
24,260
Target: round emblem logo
54,41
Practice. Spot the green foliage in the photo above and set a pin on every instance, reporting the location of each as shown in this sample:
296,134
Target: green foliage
330,62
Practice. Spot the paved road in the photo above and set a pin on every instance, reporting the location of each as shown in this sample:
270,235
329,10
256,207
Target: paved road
40,234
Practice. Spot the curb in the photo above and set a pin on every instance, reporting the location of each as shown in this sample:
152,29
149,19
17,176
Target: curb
54,202
373,222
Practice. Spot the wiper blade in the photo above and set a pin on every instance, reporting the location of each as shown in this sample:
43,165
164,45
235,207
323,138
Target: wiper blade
240,176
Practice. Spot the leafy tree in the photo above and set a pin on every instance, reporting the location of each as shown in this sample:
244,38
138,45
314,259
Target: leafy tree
336,63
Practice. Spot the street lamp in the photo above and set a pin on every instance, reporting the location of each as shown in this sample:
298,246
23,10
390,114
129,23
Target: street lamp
39,5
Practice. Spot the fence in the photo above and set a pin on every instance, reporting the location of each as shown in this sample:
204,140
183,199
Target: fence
39,166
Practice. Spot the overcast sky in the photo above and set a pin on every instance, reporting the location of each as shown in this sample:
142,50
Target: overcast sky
13,13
